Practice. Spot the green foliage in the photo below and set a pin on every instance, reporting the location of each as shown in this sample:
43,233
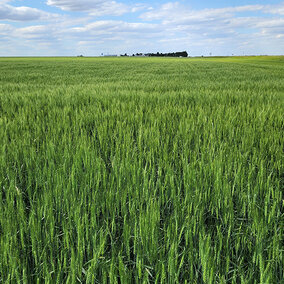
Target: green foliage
141,170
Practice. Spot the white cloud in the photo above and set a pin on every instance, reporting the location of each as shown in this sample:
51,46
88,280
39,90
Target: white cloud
138,7
117,26
5,32
275,9
220,29
73,5
34,32
170,27
213,22
93,7
175,12
11,13
5,28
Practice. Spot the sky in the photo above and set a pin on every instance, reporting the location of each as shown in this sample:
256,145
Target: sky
95,27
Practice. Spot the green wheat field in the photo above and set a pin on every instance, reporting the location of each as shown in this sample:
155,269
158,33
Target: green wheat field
141,170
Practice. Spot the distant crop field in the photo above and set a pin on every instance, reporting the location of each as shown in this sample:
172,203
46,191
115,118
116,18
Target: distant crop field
141,170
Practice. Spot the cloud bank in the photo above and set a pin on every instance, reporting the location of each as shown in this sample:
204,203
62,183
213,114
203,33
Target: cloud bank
11,13
93,7
95,27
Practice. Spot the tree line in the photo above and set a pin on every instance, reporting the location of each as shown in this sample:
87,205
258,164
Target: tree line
159,54
170,54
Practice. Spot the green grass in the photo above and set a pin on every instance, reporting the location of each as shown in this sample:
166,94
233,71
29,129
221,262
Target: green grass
141,170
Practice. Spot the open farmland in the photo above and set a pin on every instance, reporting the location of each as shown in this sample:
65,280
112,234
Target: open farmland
141,170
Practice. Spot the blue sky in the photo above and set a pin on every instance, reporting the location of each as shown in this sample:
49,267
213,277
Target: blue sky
92,27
